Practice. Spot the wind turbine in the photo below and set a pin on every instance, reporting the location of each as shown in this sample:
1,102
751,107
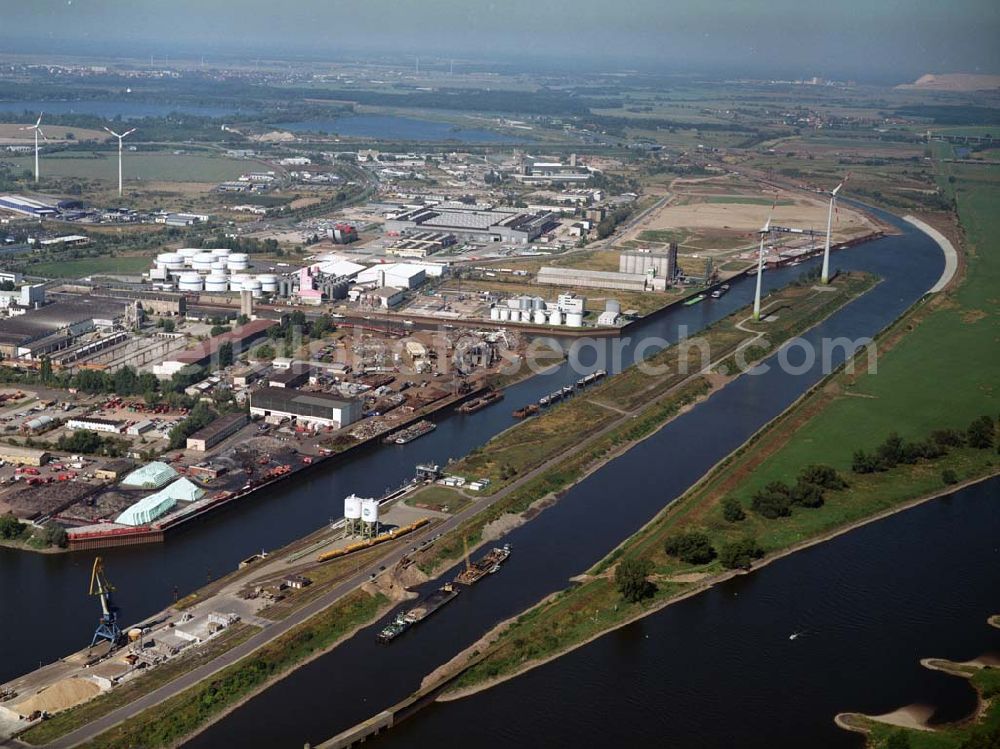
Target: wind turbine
37,127
825,277
120,139
760,266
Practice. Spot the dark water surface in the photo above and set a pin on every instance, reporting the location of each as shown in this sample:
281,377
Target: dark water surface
393,127
358,679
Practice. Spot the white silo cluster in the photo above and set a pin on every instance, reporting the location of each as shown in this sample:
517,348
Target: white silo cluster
215,271
369,517
535,310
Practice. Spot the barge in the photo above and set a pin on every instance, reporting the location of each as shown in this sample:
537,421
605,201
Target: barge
406,619
529,410
694,300
489,564
477,404
411,432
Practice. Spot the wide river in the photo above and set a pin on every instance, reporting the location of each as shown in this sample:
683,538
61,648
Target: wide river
357,679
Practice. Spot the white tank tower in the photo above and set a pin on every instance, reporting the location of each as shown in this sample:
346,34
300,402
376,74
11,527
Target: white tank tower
352,514
369,517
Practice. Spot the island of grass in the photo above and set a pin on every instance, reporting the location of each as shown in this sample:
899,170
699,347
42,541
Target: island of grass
832,461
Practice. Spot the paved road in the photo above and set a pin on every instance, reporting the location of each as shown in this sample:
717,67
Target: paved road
191,678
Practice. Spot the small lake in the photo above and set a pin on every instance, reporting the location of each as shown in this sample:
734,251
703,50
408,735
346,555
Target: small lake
127,110
392,127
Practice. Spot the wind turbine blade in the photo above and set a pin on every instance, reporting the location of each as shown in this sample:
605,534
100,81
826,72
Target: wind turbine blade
129,132
836,190
39,122
42,134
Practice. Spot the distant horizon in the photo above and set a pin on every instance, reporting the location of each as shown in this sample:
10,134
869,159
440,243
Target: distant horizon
894,41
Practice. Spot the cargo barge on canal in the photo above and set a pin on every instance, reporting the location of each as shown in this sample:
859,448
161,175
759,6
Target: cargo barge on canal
411,433
481,402
406,619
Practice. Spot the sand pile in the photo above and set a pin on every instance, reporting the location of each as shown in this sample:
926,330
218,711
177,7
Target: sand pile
60,696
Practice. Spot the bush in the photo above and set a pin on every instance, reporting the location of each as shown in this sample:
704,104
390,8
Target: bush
948,437
864,462
740,554
773,501
693,547
949,477
980,433
10,527
630,579
822,476
890,453
806,495
732,510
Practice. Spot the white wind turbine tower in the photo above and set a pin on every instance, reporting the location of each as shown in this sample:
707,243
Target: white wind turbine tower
760,267
825,277
37,127
120,139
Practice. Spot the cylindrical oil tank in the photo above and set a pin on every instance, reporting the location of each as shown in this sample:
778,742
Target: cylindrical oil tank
537,303
268,283
539,317
511,303
252,284
170,261
524,302
217,282
555,317
352,507
494,313
236,282
188,253
221,252
505,313
202,261
238,261
219,265
190,282
574,319
369,510
613,305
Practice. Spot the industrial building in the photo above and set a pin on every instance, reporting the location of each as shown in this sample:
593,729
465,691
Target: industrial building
28,206
318,409
537,172
473,222
93,424
298,373
239,337
41,331
384,297
398,275
23,456
210,436
599,279
649,262
421,244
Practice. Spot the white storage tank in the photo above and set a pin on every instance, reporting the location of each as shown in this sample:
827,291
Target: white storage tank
555,317
252,284
494,313
537,303
539,316
574,319
220,266
613,305
505,313
190,282
187,253
221,252
511,303
203,261
369,510
238,261
268,283
352,507
169,261
217,282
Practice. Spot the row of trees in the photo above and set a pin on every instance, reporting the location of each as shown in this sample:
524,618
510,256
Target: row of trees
894,451
778,498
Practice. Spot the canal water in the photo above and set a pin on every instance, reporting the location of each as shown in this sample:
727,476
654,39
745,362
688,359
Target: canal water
360,678
719,670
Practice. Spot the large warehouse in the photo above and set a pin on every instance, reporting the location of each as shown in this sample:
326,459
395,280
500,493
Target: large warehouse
493,224
40,331
318,409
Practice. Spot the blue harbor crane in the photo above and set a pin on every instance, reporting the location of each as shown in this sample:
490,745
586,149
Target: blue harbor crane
107,626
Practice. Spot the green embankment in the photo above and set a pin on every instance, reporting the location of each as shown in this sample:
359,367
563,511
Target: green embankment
172,720
940,375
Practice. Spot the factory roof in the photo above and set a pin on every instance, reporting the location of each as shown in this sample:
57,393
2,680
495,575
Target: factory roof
150,476
297,401
339,268
206,349
56,316
219,426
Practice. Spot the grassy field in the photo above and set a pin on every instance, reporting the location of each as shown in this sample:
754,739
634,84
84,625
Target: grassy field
940,375
170,721
122,264
746,200
144,167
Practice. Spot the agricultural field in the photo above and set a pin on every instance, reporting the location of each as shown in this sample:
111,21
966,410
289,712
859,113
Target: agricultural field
13,135
138,167
122,264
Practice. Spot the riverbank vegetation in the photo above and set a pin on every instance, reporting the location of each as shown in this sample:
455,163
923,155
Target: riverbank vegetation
856,446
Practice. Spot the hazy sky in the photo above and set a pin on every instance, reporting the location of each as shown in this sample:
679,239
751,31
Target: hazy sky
894,39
